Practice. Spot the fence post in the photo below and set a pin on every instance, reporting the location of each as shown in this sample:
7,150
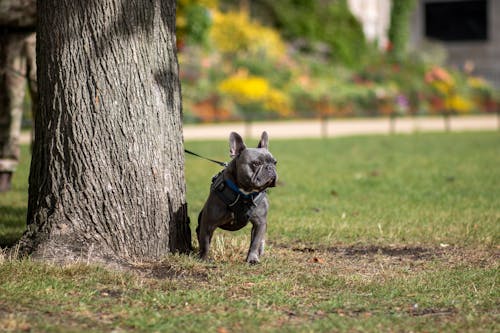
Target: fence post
392,123
248,127
447,122
498,117
324,126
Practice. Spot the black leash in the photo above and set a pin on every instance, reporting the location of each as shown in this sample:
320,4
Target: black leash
222,164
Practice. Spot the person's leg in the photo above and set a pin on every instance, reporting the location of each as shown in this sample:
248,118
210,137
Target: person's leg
12,90
30,52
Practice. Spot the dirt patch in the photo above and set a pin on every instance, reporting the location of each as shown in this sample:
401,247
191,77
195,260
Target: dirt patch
413,311
415,253
370,262
452,254
112,293
416,312
374,262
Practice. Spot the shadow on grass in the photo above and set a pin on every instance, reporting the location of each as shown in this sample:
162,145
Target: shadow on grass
414,252
411,252
12,225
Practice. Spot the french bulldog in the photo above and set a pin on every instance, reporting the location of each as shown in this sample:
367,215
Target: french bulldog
238,196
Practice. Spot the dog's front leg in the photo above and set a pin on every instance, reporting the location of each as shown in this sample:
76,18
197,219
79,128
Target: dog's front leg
259,226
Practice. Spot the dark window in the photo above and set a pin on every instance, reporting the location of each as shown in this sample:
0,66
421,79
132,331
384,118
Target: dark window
457,20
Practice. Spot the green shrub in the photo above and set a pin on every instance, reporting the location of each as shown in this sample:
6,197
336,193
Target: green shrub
313,22
399,27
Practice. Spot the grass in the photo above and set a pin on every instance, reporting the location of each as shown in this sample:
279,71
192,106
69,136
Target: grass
407,189
13,204
381,233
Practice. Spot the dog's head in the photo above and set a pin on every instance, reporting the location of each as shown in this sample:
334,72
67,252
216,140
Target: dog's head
254,168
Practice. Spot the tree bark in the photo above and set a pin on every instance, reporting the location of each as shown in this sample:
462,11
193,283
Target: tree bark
107,174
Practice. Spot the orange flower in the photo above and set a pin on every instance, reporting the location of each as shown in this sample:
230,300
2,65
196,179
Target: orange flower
437,73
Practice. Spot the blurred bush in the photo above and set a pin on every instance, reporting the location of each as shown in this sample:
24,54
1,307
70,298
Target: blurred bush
235,68
235,33
193,21
324,27
399,28
253,95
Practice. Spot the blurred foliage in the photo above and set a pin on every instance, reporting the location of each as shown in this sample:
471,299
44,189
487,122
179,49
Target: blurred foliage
237,68
453,92
193,20
326,27
399,28
254,91
235,32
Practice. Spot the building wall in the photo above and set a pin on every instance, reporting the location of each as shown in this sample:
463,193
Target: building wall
374,16
483,56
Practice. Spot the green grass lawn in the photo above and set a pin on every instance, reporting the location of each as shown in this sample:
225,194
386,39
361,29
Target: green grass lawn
379,233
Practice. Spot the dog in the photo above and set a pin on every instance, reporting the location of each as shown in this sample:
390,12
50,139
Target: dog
238,196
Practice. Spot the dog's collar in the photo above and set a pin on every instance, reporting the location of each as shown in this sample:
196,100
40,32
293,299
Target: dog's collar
239,191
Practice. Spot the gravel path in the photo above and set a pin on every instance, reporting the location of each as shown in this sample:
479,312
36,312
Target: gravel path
342,127
336,127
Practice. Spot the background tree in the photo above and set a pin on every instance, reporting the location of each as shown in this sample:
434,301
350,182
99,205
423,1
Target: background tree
107,179
399,28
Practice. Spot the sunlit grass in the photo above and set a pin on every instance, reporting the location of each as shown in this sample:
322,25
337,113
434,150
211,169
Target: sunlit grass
386,233
432,188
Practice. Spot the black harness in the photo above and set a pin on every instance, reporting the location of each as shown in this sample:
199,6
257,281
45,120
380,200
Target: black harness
241,204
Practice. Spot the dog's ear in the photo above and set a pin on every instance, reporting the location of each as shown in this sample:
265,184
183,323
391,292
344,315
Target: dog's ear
264,141
236,145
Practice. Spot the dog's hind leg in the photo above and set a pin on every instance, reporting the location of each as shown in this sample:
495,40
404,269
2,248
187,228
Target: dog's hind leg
204,232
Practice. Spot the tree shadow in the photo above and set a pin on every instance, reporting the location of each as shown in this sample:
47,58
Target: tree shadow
413,252
403,251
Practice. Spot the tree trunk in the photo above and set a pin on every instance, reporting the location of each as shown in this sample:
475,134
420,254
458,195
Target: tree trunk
107,173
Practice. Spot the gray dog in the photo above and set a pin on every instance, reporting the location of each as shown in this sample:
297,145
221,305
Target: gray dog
238,195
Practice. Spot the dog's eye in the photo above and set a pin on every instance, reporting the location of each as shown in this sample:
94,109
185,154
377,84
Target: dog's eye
275,162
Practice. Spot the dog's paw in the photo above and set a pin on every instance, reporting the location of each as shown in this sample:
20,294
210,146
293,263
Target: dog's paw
253,259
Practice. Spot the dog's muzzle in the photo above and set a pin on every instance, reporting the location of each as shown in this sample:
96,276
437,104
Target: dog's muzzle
265,176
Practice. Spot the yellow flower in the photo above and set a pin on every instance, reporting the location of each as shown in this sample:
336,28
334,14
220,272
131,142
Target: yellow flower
443,87
459,104
277,101
477,82
234,32
245,89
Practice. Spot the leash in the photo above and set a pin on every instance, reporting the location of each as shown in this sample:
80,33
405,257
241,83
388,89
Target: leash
222,164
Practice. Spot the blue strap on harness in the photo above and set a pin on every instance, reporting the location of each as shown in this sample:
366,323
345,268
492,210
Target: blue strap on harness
241,204
235,188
